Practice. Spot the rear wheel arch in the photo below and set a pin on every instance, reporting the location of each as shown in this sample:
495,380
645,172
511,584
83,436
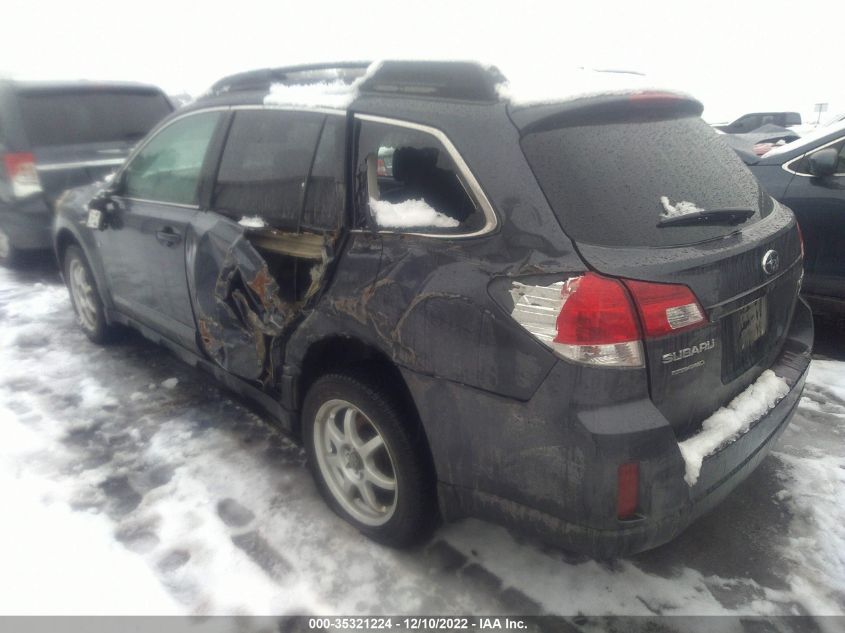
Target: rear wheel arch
338,354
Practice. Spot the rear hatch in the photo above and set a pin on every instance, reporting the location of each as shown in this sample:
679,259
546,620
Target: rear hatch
80,134
619,172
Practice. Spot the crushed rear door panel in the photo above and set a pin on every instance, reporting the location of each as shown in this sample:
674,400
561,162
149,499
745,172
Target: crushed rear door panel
248,286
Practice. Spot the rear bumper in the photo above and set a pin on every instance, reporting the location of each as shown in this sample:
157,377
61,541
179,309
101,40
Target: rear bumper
564,490
28,223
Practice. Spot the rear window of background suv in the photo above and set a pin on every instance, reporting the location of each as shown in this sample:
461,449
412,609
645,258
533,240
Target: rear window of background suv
53,117
605,181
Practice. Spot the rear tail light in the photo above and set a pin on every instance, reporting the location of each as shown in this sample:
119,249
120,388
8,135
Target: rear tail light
588,319
665,308
22,175
600,321
627,490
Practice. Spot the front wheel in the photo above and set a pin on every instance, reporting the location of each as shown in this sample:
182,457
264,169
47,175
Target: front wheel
370,466
84,296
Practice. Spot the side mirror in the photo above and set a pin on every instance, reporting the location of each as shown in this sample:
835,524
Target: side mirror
824,162
100,210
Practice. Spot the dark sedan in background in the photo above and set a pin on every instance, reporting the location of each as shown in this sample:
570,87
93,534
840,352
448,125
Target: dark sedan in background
808,176
59,135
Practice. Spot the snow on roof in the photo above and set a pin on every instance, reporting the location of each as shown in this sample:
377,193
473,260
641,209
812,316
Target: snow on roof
324,94
536,85
524,85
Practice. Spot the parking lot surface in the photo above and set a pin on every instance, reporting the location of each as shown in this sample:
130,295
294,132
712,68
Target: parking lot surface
198,505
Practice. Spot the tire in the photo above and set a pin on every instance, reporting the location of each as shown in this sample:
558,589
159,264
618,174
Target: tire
9,255
85,297
358,488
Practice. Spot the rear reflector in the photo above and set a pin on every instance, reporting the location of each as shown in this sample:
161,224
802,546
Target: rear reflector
22,175
665,308
628,490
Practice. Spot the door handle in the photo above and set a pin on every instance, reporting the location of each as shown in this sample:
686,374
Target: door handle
168,236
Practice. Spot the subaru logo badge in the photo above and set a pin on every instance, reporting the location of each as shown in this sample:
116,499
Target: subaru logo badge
771,262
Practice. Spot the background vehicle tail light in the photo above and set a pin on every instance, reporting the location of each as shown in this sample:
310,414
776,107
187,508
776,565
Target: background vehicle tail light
627,490
601,321
22,175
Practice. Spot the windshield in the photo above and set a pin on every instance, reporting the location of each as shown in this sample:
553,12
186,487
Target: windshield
611,183
90,116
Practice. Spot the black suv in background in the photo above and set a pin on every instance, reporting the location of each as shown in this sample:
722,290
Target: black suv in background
59,135
808,175
460,302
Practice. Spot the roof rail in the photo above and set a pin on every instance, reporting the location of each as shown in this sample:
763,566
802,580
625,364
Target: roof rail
263,78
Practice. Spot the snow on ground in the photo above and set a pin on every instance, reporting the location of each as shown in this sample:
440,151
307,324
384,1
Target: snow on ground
170,496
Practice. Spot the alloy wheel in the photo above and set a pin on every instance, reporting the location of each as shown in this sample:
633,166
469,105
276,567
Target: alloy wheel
83,294
355,462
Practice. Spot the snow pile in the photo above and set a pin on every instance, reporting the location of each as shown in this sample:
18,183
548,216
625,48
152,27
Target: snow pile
409,214
533,84
170,383
682,207
816,542
729,422
831,374
252,222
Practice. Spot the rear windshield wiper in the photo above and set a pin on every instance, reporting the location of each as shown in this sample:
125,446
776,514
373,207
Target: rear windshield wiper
714,216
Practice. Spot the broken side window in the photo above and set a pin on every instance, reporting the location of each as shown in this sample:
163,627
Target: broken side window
411,182
265,165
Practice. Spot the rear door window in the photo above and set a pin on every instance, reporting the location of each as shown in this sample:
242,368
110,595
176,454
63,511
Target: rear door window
611,183
53,117
168,167
325,196
409,182
265,165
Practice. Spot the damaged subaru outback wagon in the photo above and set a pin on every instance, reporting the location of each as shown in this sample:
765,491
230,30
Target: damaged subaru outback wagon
578,317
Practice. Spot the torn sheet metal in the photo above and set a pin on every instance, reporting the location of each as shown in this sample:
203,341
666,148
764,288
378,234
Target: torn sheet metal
244,312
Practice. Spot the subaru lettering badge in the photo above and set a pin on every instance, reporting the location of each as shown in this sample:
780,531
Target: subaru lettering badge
771,262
